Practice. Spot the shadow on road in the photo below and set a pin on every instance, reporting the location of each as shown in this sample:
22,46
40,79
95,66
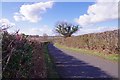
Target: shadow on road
70,67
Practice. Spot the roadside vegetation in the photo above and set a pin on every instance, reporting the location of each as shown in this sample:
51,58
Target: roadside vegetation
16,56
51,70
21,58
111,57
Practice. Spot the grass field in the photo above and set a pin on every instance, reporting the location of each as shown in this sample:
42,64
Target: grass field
111,57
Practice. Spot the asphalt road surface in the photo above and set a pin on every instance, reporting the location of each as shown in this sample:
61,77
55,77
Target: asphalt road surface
75,65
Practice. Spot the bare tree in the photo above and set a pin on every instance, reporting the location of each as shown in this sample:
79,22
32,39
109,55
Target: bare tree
66,29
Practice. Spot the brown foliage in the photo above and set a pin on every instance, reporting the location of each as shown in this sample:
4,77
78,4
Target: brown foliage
106,42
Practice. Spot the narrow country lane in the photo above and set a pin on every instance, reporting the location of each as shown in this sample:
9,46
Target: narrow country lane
76,65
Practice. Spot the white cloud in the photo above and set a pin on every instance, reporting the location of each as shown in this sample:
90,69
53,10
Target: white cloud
102,10
107,0
39,31
32,12
98,29
5,22
19,17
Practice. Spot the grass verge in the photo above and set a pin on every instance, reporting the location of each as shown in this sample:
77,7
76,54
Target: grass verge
111,57
51,72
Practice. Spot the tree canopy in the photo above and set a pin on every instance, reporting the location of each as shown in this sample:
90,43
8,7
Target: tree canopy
66,29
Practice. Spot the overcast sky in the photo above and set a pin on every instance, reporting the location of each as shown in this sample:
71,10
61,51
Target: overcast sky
37,18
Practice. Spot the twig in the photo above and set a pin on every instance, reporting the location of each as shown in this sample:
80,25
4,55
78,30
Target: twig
8,59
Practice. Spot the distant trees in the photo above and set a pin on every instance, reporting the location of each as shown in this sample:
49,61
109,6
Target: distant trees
45,36
66,29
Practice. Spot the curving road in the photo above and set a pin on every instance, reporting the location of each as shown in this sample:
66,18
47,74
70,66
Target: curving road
76,65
